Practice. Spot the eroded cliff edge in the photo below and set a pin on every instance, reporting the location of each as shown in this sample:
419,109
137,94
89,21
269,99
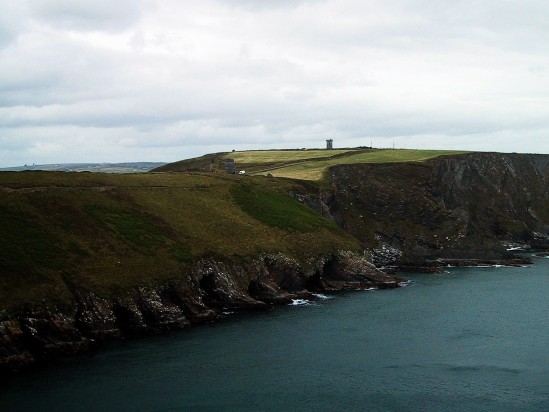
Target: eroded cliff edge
210,290
462,209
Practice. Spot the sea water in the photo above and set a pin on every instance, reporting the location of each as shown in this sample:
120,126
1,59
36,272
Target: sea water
470,339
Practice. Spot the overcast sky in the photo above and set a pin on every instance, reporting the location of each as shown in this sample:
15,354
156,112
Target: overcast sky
163,80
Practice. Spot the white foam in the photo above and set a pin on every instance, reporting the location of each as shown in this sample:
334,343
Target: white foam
300,302
322,296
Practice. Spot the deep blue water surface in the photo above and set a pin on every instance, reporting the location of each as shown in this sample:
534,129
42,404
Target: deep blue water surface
472,339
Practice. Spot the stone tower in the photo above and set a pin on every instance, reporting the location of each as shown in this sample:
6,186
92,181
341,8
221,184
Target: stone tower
329,144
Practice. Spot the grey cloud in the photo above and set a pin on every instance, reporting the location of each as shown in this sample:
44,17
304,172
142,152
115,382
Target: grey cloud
83,15
267,5
13,22
424,24
501,24
7,34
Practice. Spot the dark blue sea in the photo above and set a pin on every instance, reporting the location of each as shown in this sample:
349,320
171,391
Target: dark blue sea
471,339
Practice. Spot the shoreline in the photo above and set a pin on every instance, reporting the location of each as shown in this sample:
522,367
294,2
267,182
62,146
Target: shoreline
48,336
42,335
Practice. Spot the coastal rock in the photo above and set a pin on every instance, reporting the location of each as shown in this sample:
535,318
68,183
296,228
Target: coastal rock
188,297
284,272
129,318
346,270
386,256
540,240
48,335
265,290
140,311
158,311
13,354
220,289
94,316
279,280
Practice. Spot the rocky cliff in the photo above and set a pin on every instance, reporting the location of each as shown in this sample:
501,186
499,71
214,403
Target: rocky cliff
211,290
451,209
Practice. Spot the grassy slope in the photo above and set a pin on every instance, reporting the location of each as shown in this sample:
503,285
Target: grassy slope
272,156
110,232
187,165
264,161
314,169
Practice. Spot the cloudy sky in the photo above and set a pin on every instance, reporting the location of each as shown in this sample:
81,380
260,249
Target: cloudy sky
163,80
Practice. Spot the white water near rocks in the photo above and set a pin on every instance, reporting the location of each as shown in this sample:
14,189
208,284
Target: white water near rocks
471,339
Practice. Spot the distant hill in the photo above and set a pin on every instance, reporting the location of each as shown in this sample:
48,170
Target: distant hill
132,167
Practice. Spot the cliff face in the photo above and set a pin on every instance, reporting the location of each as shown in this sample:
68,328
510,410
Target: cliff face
506,196
211,290
457,207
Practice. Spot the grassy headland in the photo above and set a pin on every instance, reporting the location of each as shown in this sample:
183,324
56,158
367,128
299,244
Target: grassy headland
304,164
107,233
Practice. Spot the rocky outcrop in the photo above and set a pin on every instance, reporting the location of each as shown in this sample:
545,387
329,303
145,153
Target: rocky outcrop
94,316
279,280
348,271
212,289
13,348
38,337
219,287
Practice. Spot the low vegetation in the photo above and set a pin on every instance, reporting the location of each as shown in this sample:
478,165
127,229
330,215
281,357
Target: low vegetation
310,164
274,156
271,208
108,233
298,165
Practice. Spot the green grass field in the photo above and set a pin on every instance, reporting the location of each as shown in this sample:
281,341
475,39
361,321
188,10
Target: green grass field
274,156
263,161
312,164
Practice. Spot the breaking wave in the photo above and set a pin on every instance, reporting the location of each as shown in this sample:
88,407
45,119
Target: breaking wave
300,302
